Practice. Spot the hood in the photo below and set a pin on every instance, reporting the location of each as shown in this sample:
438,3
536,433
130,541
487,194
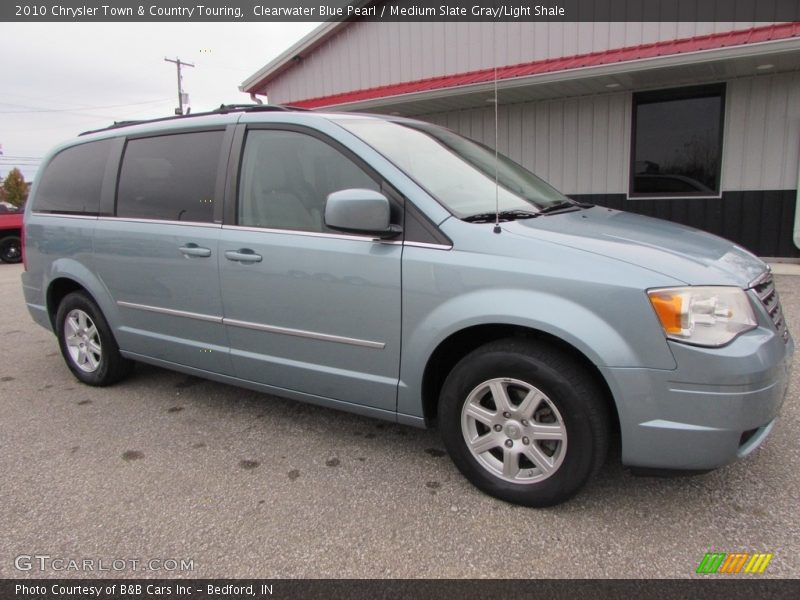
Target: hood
684,253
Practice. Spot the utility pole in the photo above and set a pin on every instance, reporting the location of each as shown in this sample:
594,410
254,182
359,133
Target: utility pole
181,95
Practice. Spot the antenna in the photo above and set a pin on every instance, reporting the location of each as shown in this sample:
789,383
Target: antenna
496,158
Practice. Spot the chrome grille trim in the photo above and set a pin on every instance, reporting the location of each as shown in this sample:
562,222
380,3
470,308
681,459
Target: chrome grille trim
765,276
764,289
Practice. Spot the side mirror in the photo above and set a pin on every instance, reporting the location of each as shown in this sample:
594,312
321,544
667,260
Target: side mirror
360,211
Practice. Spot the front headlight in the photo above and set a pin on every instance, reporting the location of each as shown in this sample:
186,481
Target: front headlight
706,316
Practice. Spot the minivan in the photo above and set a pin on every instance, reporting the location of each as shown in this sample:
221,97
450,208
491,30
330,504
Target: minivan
395,269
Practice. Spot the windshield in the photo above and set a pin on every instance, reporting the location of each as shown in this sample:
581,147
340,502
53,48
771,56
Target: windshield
458,172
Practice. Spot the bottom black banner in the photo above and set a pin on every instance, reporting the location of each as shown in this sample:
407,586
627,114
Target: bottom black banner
415,589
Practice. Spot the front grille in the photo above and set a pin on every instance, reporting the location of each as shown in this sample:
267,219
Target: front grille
768,295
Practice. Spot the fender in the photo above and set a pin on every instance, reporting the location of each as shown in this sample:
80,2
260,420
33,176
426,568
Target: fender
70,268
586,330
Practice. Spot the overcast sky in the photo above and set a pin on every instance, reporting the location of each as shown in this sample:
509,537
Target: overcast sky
59,79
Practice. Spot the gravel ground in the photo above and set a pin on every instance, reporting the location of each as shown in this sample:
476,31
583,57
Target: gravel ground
165,466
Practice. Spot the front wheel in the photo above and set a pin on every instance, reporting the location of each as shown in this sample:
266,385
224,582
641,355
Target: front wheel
524,422
11,249
86,342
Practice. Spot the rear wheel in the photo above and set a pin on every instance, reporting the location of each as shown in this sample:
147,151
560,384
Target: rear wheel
86,342
524,422
11,249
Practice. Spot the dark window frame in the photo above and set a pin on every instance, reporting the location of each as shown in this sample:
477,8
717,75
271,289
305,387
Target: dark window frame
665,95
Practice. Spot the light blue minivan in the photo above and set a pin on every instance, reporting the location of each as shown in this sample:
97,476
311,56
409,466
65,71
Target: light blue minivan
394,269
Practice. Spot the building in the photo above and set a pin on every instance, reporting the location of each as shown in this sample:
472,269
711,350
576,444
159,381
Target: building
696,122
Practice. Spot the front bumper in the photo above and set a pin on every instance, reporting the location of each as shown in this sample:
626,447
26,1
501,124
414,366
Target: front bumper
718,405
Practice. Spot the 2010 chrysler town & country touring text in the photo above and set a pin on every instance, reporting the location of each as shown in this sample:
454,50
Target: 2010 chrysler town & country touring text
394,269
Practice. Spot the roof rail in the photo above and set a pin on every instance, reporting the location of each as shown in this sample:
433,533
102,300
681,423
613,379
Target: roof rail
226,108
221,110
114,125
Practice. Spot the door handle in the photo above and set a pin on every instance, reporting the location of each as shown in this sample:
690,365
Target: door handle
245,255
192,249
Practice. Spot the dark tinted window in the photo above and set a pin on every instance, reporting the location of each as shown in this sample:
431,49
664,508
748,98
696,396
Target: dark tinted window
678,141
286,177
655,184
170,177
72,181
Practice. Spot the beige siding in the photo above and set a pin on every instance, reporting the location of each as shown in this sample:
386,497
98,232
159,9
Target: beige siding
366,55
579,145
762,133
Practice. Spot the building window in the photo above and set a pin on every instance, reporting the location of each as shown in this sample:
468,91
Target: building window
677,142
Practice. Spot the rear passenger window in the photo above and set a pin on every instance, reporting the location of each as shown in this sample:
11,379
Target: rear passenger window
286,177
72,181
170,177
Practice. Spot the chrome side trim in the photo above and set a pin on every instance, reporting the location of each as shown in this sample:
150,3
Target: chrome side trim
170,311
317,234
305,334
763,278
65,216
161,221
338,236
326,337
427,245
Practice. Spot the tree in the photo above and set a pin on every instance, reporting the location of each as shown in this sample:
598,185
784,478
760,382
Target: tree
14,187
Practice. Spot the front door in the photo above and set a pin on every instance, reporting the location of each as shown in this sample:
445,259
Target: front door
308,309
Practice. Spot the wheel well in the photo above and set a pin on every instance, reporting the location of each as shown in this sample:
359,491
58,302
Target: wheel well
10,233
55,294
461,343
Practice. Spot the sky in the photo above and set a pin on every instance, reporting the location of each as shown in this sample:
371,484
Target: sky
59,79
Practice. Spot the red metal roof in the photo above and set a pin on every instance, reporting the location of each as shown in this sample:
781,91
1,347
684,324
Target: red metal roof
592,59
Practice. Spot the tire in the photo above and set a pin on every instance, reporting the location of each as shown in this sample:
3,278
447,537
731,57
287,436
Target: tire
86,342
555,432
11,249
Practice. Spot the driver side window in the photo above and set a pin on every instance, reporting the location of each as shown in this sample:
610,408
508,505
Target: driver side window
286,177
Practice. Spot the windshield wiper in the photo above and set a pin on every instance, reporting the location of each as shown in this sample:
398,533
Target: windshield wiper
512,215
503,215
566,206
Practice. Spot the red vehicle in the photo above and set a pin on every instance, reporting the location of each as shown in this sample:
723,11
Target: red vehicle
10,237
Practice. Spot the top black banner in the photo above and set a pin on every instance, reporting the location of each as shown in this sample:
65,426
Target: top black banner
399,10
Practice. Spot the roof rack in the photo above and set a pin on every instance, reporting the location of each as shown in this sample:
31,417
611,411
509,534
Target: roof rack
226,108
223,109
